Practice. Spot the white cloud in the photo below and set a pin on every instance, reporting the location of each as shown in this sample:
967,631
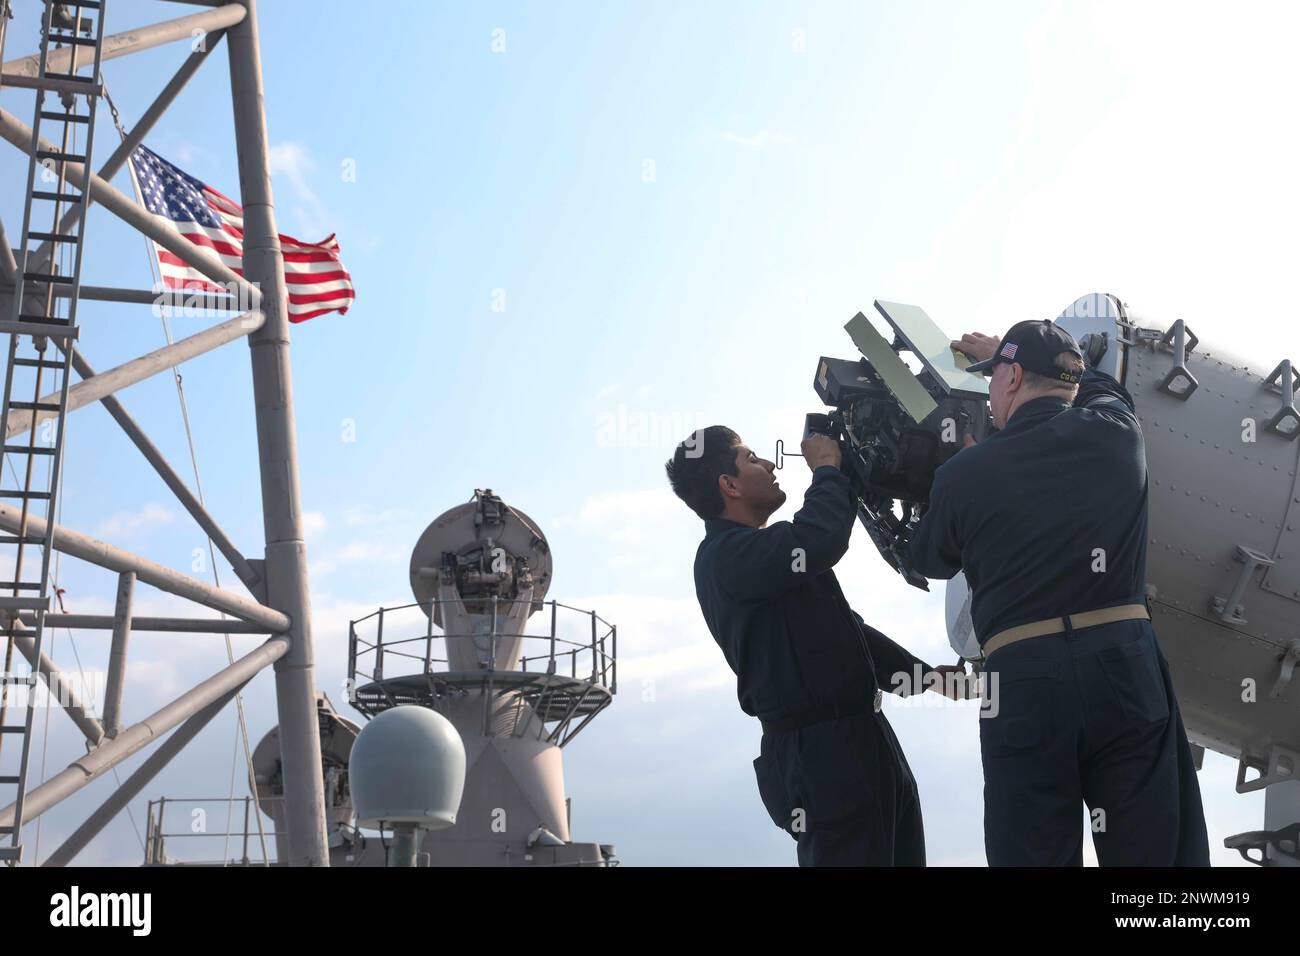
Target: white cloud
624,517
313,524
293,161
368,515
126,524
331,559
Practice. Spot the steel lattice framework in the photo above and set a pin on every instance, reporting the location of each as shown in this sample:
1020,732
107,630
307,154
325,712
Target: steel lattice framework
280,602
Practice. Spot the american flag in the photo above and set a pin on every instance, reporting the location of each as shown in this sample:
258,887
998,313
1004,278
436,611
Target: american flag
1009,350
317,281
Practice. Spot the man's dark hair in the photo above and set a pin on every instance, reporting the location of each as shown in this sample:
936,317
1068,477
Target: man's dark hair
696,465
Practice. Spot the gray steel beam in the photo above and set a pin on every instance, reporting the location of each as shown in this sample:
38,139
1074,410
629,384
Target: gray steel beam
133,784
164,298
59,687
115,559
94,388
131,41
117,653
8,264
243,569
209,264
170,298
133,139
180,625
53,84
112,752
286,552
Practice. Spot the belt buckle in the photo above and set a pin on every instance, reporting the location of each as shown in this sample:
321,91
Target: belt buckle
878,702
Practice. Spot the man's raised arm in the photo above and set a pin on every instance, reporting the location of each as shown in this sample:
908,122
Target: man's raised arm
756,563
1100,393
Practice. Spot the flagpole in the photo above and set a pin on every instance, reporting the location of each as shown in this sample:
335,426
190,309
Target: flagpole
286,554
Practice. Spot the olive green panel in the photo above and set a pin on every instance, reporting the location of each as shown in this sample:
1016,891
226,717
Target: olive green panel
916,401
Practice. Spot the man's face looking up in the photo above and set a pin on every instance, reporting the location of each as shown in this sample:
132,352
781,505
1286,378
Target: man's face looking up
753,488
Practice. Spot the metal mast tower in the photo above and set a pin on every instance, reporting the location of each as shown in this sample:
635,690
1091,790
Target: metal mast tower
479,572
279,605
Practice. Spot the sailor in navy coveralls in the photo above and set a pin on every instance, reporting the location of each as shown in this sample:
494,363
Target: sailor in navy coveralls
1048,519
830,771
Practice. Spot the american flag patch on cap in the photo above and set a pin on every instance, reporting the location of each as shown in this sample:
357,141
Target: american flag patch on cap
1009,350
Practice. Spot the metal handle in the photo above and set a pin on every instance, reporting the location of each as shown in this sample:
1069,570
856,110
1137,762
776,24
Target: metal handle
1286,420
1180,382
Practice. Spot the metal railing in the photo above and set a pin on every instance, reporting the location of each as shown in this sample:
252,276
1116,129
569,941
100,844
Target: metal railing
593,657
156,838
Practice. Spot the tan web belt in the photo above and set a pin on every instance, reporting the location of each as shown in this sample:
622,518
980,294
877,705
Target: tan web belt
1059,625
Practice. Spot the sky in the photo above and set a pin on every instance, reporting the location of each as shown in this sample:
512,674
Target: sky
579,231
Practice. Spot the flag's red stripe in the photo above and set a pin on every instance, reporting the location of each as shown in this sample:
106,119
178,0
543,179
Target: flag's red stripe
305,297
315,278
202,239
195,285
190,285
296,257
304,316
343,279
232,249
224,198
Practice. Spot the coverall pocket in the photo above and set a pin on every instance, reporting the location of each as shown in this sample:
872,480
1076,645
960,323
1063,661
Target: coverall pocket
772,791
1019,706
1134,676
840,771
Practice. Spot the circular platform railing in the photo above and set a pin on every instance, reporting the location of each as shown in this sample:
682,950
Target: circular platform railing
566,673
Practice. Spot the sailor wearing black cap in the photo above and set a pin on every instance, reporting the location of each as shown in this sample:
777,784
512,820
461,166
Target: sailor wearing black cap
1048,519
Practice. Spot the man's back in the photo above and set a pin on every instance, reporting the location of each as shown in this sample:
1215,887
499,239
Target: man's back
1048,519
1058,502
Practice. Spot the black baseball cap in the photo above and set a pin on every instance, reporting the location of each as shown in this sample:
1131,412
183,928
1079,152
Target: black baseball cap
1034,345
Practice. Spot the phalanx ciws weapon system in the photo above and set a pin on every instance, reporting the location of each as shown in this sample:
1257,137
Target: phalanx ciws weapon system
1223,549
896,426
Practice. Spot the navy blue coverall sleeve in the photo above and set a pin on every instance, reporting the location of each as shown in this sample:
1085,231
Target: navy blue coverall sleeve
936,543
891,659
1101,394
767,562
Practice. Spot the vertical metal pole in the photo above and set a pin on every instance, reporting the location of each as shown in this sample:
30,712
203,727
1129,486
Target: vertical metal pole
492,637
605,660
491,671
405,841
117,654
148,820
428,643
158,833
550,667
594,659
286,554
352,658
247,801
